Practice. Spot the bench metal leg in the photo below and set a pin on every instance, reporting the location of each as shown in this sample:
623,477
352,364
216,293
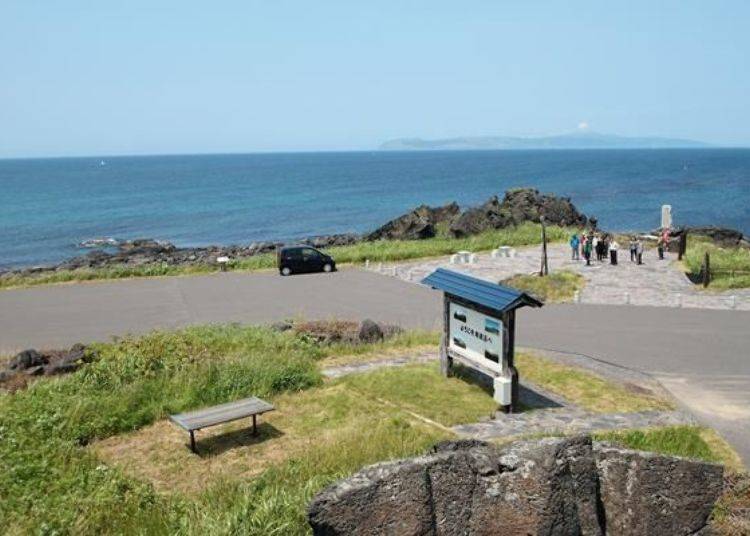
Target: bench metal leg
192,442
255,426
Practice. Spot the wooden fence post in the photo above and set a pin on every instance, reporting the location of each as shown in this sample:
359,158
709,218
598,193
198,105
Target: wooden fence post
544,270
706,270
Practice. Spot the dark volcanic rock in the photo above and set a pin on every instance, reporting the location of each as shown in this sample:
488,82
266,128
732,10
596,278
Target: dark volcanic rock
518,206
370,331
418,224
328,241
491,215
26,359
645,493
555,486
721,236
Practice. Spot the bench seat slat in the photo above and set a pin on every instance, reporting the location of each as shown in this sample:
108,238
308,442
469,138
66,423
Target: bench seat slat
202,418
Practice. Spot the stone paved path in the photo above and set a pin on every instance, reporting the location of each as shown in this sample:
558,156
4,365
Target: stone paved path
567,420
367,366
551,413
656,283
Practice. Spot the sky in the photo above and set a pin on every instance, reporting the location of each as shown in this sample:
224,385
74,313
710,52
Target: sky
145,77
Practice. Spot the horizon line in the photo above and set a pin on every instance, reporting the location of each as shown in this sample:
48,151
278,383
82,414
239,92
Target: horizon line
374,150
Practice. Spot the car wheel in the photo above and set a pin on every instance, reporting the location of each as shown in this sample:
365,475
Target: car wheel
327,267
286,270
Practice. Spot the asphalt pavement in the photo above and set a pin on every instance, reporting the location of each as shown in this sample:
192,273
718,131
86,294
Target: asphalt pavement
701,356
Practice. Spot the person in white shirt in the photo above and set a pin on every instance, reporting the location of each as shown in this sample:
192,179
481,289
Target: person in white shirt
613,246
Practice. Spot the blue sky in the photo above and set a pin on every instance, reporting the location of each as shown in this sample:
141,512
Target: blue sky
137,77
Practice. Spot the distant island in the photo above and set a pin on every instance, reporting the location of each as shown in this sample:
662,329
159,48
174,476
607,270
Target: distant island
574,140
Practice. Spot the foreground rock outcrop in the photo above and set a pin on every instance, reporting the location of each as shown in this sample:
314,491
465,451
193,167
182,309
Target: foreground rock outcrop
556,486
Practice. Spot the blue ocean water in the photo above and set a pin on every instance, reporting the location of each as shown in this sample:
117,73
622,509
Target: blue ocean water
48,206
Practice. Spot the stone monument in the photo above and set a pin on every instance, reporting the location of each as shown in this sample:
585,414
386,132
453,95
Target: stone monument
666,216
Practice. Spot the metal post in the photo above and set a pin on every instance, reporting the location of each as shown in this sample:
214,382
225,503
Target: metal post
446,363
255,426
192,442
514,392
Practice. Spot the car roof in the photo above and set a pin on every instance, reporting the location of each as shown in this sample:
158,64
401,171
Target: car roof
298,246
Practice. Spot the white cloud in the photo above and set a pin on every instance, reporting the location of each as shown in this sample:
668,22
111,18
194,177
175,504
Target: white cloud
583,125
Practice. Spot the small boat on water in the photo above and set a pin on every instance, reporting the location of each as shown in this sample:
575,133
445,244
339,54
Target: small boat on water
102,163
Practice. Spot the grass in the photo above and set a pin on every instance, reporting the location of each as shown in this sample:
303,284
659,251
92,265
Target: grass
730,267
379,251
556,287
51,481
684,441
585,389
422,390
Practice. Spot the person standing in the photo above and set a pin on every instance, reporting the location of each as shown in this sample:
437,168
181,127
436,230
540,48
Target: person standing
639,251
574,243
595,245
587,249
660,248
613,245
633,248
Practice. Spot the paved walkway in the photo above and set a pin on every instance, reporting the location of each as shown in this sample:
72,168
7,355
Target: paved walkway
656,282
701,355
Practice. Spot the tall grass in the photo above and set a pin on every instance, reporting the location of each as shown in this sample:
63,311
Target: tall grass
379,251
730,267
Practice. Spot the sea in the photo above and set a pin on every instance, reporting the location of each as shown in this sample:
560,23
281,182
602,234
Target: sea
48,207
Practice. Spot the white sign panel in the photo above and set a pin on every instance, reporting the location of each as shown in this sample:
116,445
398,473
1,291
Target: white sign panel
476,337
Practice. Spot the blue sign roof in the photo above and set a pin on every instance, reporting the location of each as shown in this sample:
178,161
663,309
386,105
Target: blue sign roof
492,295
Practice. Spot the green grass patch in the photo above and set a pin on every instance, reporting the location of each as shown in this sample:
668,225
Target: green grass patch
730,267
686,441
423,390
586,389
556,287
378,251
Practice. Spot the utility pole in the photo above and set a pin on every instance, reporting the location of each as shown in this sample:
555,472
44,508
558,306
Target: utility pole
545,268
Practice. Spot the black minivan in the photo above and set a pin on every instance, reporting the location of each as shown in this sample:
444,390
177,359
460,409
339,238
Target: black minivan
303,259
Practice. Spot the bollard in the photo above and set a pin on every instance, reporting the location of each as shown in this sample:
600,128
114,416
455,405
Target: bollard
393,271
380,267
679,300
627,298
576,297
367,264
733,302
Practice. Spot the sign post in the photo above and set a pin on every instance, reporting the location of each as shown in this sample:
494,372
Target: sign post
479,327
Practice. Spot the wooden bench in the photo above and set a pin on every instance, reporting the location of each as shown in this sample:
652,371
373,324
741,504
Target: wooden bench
232,411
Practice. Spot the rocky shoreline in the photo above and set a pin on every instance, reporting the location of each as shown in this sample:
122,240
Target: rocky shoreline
518,206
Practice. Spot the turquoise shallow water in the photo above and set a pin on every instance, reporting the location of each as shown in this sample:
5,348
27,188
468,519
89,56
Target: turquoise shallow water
48,206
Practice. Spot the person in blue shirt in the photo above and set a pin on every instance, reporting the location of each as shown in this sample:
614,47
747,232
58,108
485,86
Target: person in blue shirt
574,243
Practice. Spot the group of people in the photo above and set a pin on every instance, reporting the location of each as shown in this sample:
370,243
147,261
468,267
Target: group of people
585,245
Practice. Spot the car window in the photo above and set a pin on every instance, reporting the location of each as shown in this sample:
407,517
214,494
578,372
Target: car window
293,254
310,254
